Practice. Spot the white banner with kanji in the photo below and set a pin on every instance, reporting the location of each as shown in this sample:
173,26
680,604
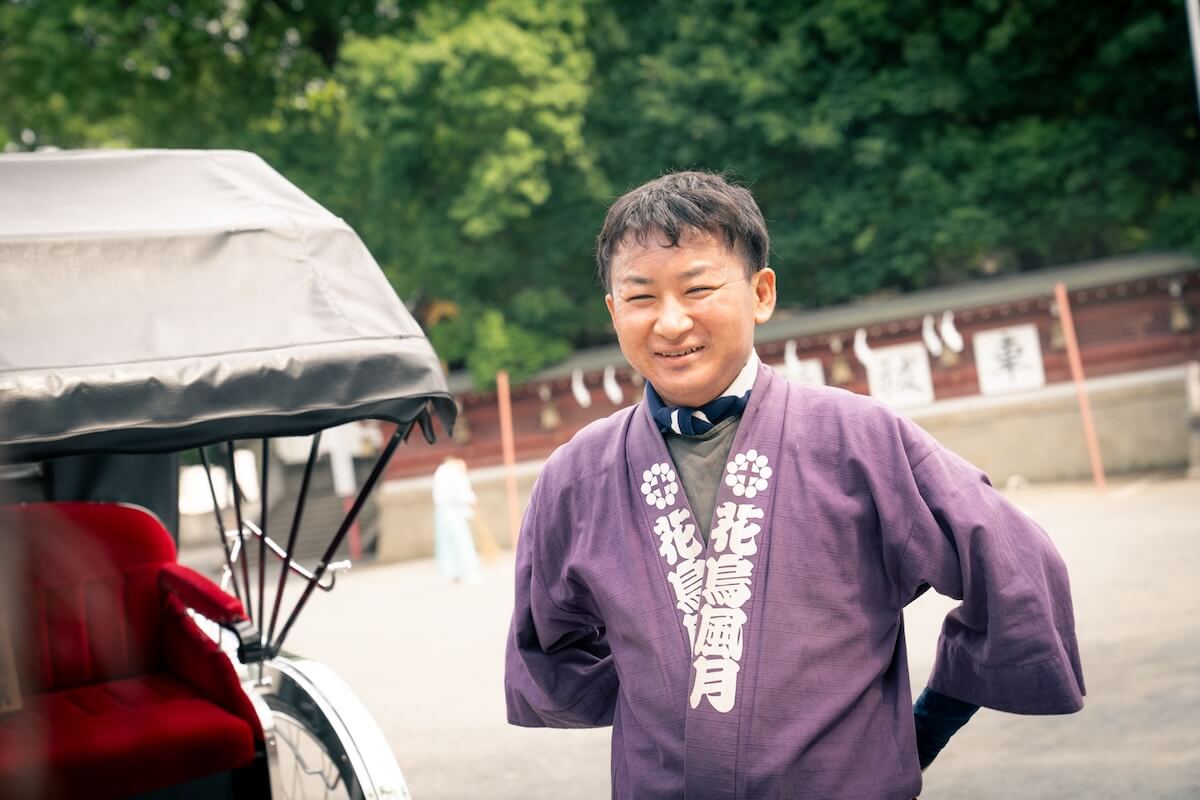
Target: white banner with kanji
899,375
1009,359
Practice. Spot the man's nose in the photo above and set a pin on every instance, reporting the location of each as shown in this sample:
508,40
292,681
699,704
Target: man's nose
673,320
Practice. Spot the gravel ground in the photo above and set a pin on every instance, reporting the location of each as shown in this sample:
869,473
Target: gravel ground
426,657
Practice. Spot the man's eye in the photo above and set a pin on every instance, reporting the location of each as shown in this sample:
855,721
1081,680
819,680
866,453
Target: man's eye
638,297
700,289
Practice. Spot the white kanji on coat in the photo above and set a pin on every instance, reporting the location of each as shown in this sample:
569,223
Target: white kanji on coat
716,679
727,580
720,632
677,536
688,579
660,485
734,530
748,474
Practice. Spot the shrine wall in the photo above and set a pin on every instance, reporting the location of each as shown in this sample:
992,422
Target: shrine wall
1141,420
985,340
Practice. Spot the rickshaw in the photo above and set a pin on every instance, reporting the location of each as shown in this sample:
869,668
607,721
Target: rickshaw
166,301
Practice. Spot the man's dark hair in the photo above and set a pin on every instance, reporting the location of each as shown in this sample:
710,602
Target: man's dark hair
680,204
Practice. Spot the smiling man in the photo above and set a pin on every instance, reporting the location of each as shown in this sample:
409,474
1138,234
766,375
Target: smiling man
720,571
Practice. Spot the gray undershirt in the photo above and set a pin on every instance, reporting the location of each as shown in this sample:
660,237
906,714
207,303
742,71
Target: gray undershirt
700,462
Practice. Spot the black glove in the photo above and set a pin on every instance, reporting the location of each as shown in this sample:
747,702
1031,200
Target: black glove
938,717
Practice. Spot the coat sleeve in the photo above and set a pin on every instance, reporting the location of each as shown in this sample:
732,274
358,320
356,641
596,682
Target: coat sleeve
559,671
1011,644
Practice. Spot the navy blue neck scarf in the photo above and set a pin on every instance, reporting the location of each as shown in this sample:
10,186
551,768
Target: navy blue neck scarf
688,421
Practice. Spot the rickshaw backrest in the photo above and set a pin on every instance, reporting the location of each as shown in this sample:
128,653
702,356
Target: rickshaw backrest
87,575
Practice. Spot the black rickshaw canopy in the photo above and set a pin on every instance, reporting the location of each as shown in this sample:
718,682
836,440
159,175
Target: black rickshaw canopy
156,300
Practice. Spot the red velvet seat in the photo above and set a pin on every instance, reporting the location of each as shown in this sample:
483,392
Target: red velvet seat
122,693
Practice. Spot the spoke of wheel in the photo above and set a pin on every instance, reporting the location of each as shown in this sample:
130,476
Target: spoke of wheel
313,450
263,494
237,510
302,772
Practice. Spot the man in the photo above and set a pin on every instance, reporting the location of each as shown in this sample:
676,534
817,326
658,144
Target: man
720,571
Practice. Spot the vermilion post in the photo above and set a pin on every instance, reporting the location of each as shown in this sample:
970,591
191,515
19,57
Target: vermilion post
510,457
1085,406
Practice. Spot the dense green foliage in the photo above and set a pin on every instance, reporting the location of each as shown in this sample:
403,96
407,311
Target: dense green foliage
475,145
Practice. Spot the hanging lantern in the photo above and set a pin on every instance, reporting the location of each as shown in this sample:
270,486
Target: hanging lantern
929,335
862,350
791,362
462,429
952,340
950,334
840,372
579,390
1058,340
1181,316
550,419
612,389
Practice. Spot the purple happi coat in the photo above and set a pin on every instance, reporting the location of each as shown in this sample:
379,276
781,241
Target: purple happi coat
771,663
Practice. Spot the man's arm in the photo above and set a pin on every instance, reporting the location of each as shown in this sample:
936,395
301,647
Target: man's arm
559,671
1011,644
937,718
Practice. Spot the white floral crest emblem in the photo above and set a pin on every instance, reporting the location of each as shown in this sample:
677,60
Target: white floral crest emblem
659,485
748,474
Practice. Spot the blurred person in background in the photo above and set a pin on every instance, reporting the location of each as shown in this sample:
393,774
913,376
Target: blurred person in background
454,507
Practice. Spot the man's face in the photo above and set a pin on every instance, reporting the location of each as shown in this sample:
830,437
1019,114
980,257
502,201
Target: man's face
685,315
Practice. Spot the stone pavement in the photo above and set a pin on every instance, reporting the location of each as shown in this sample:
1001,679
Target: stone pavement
426,657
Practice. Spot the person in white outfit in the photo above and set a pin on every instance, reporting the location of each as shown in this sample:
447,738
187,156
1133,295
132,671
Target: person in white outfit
454,507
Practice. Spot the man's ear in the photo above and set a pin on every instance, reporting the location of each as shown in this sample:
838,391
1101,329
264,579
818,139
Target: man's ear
608,301
763,283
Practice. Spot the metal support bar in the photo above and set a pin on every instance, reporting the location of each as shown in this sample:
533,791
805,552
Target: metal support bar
262,526
291,542
291,563
398,436
220,523
237,509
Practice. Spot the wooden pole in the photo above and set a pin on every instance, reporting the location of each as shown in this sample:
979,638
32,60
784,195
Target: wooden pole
510,458
1193,398
1085,406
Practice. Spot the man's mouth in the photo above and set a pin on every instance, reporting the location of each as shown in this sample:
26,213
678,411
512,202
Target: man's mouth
678,353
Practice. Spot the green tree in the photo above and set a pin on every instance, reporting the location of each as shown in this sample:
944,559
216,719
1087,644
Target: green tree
476,145
902,145
499,345
186,73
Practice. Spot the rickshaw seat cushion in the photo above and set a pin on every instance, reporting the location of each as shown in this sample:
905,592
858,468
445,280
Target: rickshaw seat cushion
118,738
201,594
120,687
93,604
